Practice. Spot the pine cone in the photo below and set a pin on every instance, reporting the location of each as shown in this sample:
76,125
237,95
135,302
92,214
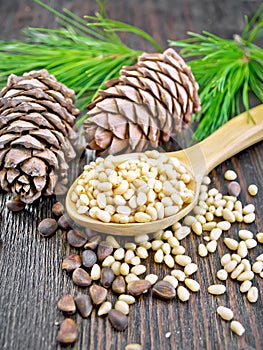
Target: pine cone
145,106
37,117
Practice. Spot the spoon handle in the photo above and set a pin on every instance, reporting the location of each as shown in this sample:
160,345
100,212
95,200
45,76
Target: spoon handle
233,137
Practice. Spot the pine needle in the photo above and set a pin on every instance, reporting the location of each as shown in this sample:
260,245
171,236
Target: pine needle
83,54
227,71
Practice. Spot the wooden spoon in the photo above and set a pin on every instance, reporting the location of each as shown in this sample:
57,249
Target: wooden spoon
200,159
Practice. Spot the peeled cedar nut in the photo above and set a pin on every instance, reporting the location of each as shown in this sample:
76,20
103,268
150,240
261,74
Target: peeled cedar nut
68,331
118,320
47,227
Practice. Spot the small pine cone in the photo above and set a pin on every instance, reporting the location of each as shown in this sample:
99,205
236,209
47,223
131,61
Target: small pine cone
37,117
148,103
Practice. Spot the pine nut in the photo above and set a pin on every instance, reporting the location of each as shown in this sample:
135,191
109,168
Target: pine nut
119,254
237,271
166,248
236,257
182,232
222,275
252,295
95,272
228,215
116,267
190,269
246,275
133,346
131,277
242,249
122,306
173,242
202,251
178,274
230,266
124,269
259,236
225,259
225,313
129,299
224,225
172,280
104,308
142,252
231,243
183,260
197,228
247,264
216,289
169,260
152,278
237,328
251,243
245,234
211,246
257,267
248,209
249,218
183,293
245,286
108,261
230,175
252,190
259,257
215,234
158,256
135,261
178,250
193,285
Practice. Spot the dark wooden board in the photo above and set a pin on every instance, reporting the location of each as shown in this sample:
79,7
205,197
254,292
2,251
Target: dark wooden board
31,279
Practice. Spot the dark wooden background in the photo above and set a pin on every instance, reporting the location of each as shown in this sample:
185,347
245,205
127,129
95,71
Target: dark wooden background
31,279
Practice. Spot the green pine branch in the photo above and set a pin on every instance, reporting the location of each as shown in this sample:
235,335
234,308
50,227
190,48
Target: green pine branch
83,54
227,72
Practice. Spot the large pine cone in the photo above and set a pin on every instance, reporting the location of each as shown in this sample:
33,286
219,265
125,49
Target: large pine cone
146,105
37,117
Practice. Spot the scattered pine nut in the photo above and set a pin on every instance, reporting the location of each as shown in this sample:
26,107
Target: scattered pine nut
225,313
252,190
252,295
104,308
230,175
231,243
202,250
237,328
216,289
259,236
222,275
245,286
193,285
183,293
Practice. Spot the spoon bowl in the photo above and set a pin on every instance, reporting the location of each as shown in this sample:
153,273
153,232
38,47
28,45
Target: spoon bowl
200,159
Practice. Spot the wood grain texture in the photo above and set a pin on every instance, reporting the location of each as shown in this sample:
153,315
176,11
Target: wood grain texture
31,279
